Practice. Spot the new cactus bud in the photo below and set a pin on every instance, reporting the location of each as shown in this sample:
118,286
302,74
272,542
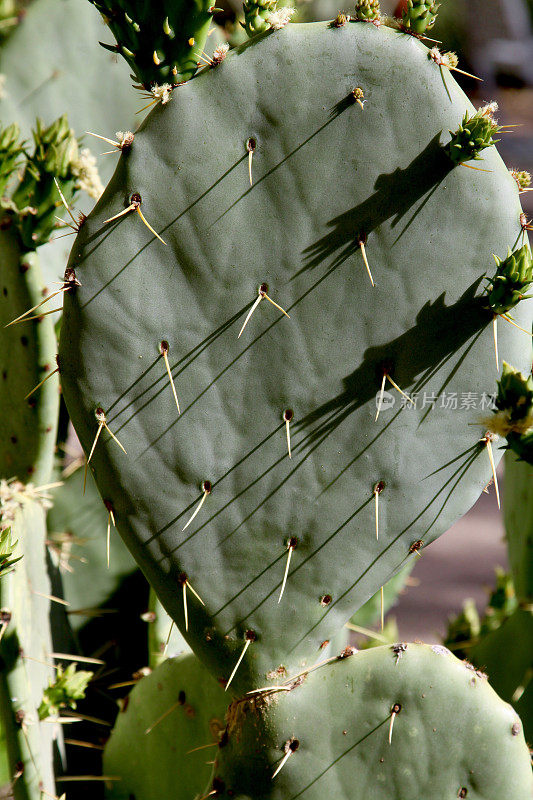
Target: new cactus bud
367,10
419,16
257,14
159,41
513,417
522,178
64,690
56,158
513,277
474,135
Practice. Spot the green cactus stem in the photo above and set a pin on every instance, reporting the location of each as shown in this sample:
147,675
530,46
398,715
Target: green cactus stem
26,645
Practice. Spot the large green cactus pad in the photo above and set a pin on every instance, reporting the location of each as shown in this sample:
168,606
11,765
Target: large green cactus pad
325,173
158,764
452,736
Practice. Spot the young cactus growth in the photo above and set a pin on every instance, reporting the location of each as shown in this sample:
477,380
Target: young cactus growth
419,16
10,14
63,691
522,178
160,41
475,133
55,162
256,15
513,277
513,418
11,151
367,10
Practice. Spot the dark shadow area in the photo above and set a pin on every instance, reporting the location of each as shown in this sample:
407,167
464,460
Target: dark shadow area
439,332
120,639
395,195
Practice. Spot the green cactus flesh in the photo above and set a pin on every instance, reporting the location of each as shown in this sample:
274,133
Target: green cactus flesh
451,734
430,230
190,707
25,649
27,356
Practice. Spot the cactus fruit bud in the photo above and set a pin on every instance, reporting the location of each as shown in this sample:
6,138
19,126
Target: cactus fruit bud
56,163
367,10
473,135
514,403
11,149
522,178
513,277
256,16
419,16
147,37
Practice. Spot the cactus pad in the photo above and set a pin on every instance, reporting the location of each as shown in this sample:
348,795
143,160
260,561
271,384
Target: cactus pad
158,764
429,229
451,735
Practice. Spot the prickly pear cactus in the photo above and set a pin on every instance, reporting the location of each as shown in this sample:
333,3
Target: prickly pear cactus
315,377
177,709
386,717
28,215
